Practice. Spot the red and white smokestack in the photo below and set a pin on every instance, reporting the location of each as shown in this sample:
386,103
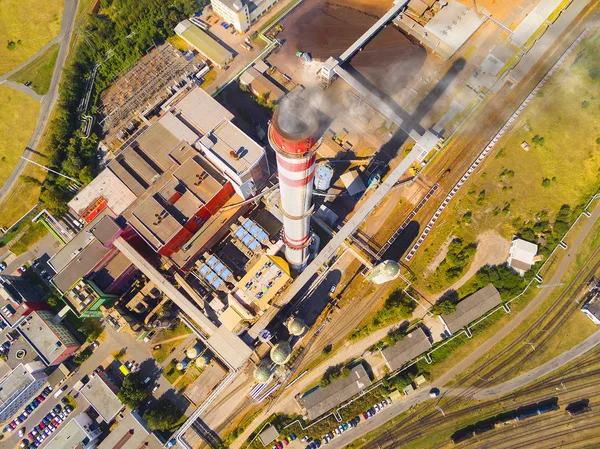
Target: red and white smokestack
293,136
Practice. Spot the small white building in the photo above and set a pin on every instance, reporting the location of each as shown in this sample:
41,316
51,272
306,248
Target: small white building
592,309
522,255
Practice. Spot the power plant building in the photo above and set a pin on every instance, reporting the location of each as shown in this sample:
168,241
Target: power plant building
293,136
206,45
241,13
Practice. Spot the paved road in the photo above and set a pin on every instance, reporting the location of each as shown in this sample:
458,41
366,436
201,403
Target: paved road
48,100
23,88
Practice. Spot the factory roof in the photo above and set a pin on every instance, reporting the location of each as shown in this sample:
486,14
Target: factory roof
205,44
264,280
102,395
202,111
157,142
261,66
111,271
49,340
74,247
156,224
261,85
454,24
321,400
232,147
353,182
200,178
105,185
411,346
178,128
472,307
105,229
80,265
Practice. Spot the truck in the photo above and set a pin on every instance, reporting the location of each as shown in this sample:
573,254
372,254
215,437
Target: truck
246,46
303,55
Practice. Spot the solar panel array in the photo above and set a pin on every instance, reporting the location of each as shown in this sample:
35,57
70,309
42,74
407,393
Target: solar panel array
214,272
251,235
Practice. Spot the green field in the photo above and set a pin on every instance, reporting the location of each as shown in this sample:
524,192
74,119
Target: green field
38,71
18,115
26,26
519,188
32,235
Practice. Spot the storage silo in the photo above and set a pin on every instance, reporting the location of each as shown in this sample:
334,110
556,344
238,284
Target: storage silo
323,176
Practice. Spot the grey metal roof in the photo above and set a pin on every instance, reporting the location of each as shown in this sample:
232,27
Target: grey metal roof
472,307
321,400
413,345
80,265
268,435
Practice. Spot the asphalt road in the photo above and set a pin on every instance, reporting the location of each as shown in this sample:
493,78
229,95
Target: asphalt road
48,100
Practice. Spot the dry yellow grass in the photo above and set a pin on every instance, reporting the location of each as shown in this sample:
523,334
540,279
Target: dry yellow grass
18,115
30,25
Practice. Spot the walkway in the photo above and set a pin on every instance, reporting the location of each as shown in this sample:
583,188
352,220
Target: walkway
48,100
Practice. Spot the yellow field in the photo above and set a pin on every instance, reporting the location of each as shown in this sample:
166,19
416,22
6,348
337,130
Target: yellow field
18,115
39,71
31,22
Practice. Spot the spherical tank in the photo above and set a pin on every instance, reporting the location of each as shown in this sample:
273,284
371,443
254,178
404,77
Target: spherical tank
323,176
385,272
193,352
262,374
281,352
182,365
296,326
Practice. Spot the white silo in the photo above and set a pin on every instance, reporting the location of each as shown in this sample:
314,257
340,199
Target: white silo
323,176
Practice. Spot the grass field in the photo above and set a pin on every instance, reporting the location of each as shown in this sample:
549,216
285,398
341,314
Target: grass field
30,25
18,115
561,167
39,71
32,235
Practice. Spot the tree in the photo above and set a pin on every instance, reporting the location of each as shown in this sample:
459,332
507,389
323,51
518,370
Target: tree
54,300
91,328
444,306
12,45
133,391
162,415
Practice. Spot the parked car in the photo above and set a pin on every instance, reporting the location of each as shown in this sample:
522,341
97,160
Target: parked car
21,269
3,266
150,336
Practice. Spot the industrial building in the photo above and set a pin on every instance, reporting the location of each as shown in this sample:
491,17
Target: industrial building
19,386
320,400
241,13
130,433
522,255
260,85
471,308
203,43
101,393
80,432
51,340
264,281
412,345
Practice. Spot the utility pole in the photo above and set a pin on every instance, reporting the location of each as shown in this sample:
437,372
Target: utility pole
53,171
441,411
531,344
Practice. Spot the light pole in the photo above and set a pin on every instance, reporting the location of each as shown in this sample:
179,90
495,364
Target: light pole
441,411
531,344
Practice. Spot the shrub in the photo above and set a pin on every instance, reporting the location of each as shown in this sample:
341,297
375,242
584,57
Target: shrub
546,183
538,140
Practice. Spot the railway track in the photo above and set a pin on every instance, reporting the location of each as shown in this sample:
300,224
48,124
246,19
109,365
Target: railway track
407,431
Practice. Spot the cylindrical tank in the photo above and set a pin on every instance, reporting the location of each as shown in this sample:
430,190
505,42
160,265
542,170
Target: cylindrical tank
182,365
281,352
262,374
193,352
323,176
293,137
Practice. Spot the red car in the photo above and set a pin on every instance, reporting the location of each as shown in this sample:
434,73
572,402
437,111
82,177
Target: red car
40,398
279,445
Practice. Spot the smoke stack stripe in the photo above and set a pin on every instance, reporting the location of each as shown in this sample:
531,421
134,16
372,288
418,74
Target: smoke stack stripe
293,136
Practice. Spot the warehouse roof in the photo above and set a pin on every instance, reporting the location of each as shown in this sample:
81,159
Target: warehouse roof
353,182
129,433
268,435
321,400
202,42
411,346
108,186
202,111
261,85
471,308
80,265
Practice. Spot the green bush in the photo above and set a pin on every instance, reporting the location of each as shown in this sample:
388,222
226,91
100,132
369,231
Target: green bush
397,307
